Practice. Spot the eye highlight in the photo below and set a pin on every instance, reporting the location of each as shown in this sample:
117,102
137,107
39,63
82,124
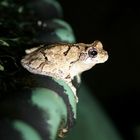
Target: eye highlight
92,53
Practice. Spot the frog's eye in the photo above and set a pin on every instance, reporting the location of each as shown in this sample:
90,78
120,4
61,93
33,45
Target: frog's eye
92,53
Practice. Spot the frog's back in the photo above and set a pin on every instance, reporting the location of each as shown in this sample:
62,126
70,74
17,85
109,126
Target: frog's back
54,60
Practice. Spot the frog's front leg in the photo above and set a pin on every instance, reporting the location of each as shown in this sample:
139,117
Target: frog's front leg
73,90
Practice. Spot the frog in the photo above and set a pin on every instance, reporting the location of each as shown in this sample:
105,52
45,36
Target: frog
64,61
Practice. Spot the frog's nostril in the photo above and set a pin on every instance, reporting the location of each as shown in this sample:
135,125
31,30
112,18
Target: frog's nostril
105,56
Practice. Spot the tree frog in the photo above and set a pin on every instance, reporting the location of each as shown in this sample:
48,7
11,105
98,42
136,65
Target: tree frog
64,61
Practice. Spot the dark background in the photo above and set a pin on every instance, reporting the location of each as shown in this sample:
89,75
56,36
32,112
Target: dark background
115,84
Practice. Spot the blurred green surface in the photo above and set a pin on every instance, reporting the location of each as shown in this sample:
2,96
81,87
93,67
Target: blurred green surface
92,121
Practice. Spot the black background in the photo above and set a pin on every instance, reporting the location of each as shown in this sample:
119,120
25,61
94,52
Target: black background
115,84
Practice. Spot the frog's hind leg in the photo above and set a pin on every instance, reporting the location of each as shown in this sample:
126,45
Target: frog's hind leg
30,50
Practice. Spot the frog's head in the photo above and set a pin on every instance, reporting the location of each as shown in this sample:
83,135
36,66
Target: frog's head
90,55
94,54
